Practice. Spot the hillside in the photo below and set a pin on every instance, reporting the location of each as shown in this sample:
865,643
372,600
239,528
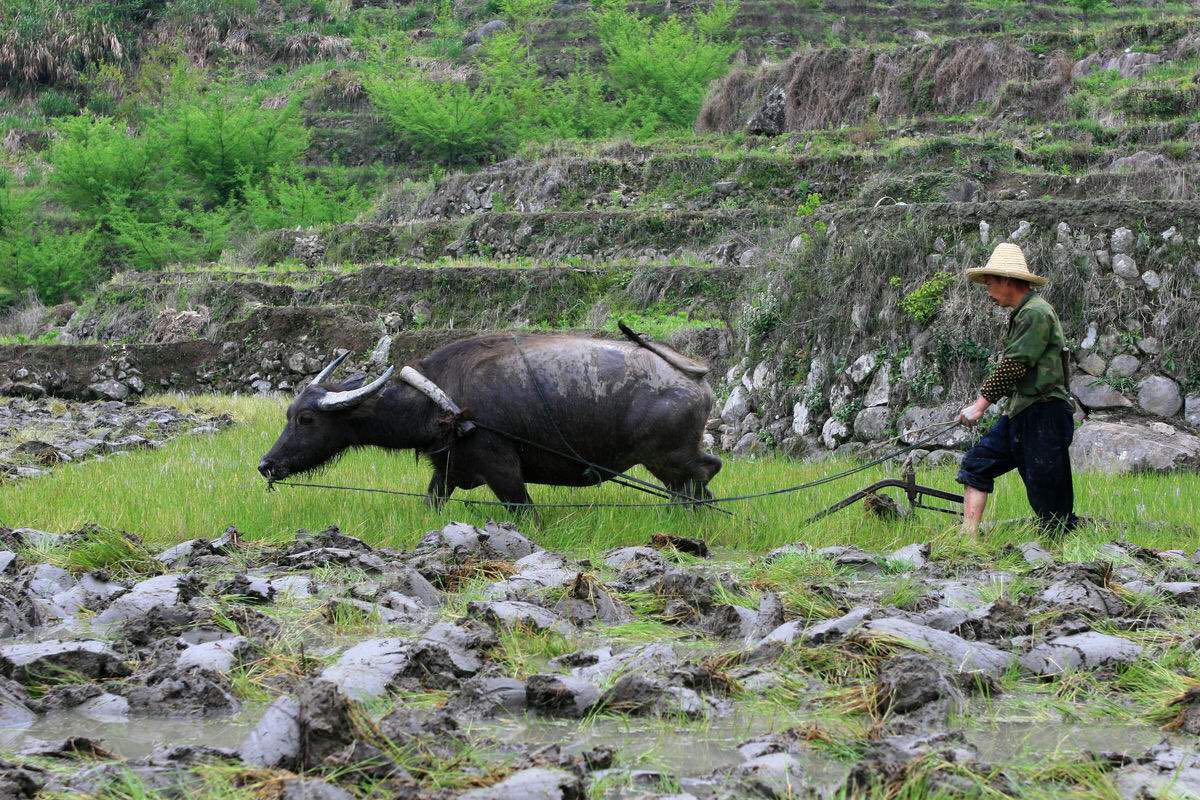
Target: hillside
409,174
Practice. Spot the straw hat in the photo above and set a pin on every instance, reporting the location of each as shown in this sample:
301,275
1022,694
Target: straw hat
1007,261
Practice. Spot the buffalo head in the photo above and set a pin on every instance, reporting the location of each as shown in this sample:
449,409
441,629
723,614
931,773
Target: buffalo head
318,426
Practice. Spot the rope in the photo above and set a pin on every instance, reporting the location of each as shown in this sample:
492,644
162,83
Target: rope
668,504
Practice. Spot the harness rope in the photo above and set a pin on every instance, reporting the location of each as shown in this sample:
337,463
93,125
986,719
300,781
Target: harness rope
672,498
712,501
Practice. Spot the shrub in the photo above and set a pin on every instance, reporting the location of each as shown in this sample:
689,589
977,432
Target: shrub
53,265
523,12
222,141
659,71
15,206
102,104
1088,7
49,264
922,303
810,205
761,315
1163,102
448,120
54,103
1177,149
576,108
172,234
95,159
571,107
289,200
663,70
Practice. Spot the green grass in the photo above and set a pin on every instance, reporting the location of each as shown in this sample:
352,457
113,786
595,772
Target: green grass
903,592
196,486
524,652
103,548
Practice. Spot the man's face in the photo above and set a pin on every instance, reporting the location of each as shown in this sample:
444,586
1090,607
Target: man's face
1003,292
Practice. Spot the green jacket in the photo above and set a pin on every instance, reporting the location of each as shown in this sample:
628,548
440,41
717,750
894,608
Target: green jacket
1035,339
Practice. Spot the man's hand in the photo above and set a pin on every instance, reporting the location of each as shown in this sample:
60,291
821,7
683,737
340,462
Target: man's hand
972,413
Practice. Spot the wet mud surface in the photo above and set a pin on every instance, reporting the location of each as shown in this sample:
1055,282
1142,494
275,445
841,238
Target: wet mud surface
480,665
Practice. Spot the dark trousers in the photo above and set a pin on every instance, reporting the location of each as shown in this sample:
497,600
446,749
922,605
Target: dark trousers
1036,444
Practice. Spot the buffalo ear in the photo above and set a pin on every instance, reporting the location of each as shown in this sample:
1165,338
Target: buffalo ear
352,382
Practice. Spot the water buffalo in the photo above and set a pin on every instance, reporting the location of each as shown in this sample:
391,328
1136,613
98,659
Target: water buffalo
613,403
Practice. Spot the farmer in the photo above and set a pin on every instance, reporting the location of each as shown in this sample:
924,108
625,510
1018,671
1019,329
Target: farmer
1034,434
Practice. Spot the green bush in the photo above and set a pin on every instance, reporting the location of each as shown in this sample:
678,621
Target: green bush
1162,102
54,103
1089,7
1177,149
199,169
95,159
657,75
172,234
922,303
15,206
810,205
662,71
54,265
222,141
576,108
523,12
448,120
102,104
290,200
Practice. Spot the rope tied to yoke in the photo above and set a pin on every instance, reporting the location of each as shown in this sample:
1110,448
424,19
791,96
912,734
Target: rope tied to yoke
689,502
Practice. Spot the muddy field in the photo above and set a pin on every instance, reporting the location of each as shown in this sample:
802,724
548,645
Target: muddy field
39,433
480,665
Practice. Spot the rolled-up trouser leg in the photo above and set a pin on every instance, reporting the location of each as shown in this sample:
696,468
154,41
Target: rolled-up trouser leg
989,459
1042,437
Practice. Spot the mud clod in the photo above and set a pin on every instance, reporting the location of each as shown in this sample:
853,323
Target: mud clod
961,655
300,731
39,661
536,783
911,681
693,547
72,747
1090,650
561,695
312,789
488,695
21,781
171,691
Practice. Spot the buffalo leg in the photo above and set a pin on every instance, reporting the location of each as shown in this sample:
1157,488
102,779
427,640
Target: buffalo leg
504,478
440,489
511,491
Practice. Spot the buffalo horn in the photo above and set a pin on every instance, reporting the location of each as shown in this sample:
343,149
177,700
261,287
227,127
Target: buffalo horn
325,373
334,401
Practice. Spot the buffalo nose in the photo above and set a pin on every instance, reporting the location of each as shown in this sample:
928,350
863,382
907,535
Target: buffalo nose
265,467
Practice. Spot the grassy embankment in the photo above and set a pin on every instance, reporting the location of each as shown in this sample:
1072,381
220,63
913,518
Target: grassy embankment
196,486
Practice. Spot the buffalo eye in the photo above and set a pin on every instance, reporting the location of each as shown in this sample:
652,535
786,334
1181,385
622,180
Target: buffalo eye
305,418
